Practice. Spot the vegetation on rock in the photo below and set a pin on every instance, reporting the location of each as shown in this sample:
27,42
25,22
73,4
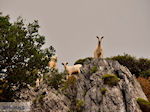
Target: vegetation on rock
110,79
81,61
54,78
103,91
69,82
93,69
144,105
79,105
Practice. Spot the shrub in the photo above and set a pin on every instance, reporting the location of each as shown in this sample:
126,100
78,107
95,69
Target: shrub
144,105
144,64
110,79
81,61
54,79
129,61
145,84
5,91
93,69
68,83
145,74
103,91
136,66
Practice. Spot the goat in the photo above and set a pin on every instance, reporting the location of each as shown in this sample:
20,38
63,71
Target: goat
98,52
53,62
72,69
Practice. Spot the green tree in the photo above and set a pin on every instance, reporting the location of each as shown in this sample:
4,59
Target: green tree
21,53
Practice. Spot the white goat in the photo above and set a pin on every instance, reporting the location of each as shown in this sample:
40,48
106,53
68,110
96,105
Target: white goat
53,62
72,69
98,53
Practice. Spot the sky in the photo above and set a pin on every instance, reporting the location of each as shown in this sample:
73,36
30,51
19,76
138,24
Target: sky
71,26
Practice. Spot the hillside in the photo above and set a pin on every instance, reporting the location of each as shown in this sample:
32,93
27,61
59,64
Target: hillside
102,86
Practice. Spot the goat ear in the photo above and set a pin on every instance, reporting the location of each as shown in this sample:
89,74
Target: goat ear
62,63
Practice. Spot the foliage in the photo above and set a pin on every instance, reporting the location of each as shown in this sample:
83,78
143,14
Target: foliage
144,105
136,66
110,79
93,69
129,61
54,79
21,52
145,84
103,91
144,64
81,61
69,82
79,105
5,91
145,74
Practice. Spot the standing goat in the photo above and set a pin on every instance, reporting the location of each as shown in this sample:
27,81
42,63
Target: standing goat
98,53
72,69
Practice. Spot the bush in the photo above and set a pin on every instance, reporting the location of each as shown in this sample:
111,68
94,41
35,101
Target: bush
136,66
145,74
144,105
93,69
144,64
68,83
110,79
103,91
5,91
81,61
54,79
145,84
129,61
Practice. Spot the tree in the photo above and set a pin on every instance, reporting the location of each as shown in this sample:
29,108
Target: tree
21,53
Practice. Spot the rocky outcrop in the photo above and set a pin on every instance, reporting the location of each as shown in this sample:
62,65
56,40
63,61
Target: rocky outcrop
91,92
44,99
117,98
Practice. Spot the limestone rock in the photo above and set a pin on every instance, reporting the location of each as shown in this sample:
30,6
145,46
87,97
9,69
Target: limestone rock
89,93
119,98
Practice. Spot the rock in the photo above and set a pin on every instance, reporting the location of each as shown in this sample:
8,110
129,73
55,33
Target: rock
85,95
119,98
44,99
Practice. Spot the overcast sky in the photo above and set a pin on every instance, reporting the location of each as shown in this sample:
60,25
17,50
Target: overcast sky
71,26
